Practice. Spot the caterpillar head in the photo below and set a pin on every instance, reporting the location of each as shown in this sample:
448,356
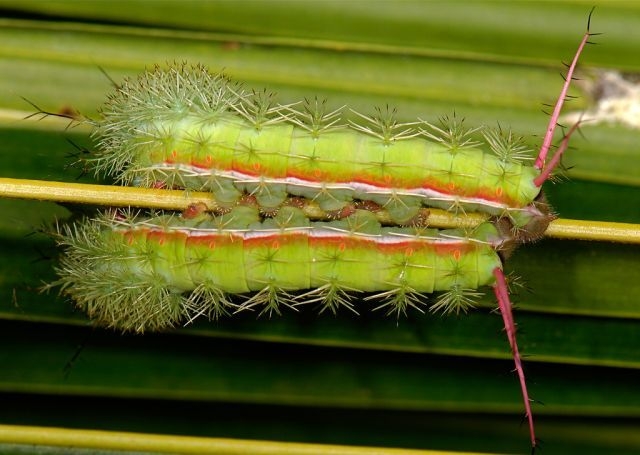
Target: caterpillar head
513,235
538,224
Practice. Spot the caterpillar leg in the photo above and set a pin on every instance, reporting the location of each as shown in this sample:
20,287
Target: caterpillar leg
504,303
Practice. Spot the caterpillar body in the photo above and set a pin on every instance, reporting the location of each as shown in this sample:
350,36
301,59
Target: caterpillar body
188,128
149,273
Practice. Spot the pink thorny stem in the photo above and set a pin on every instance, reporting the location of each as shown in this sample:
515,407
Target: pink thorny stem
555,160
502,294
553,121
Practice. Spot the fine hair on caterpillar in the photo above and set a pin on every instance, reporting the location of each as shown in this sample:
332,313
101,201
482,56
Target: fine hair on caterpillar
185,127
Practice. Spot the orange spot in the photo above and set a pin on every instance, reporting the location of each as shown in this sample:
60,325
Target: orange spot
208,160
342,246
212,245
347,210
194,210
499,191
408,252
451,186
317,173
275,245
256,166
367,205
387,179
248,200
174,154
456,255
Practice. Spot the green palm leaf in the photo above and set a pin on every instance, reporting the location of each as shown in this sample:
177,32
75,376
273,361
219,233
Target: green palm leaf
423,382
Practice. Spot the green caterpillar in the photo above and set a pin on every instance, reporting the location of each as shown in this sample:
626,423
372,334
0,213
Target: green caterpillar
188,128
139,274
149,274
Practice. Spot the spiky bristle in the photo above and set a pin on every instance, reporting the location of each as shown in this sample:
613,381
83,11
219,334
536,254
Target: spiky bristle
456,300
507,146
397,301
451,132
332,296
270,300
384,126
